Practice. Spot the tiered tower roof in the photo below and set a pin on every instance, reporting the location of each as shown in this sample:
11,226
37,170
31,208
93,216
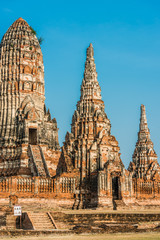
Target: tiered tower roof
144,134
90,107
90,146
90,88
144,157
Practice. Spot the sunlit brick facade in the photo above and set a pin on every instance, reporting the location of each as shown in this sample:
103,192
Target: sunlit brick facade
88,170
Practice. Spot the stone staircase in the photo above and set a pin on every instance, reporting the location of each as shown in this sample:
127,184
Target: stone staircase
42,221
38,161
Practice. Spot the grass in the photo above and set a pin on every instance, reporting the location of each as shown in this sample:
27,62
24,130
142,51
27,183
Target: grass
118,236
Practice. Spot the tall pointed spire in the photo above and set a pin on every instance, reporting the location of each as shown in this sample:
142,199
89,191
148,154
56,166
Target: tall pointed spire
143,120
90,88
90,100
90,73
144,133
89,121
90,148
144,154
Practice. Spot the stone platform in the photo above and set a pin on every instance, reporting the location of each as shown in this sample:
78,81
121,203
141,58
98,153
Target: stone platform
80,221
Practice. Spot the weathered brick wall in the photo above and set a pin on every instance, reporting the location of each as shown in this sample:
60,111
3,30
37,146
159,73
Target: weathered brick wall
37,187
146,189
71,220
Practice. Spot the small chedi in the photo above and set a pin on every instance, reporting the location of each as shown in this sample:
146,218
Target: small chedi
144,168
88,170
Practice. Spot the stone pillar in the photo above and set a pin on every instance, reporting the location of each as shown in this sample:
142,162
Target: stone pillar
36,185
14,185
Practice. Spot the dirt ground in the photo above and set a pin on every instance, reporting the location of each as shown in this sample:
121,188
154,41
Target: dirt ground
100,211
127,236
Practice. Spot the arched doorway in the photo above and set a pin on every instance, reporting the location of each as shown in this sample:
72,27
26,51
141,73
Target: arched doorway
116,187
32,136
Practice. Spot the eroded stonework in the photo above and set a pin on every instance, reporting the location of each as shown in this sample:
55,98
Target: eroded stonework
88,171
144,165
90,151
144,168
24,120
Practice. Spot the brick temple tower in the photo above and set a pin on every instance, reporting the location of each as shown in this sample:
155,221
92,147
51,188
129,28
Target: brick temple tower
90,151
27,131
144,165
88,172
144,168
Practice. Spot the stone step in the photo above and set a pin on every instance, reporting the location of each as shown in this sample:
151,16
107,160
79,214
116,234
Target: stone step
38,215
38,220
34,218
43,229
45,222
38,160
41,221
42,224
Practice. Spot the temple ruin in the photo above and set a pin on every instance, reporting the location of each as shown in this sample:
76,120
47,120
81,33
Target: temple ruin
87,171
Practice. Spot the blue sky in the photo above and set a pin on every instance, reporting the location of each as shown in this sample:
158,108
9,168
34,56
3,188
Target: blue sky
126,40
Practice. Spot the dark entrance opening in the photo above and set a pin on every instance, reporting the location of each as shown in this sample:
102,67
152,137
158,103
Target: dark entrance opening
32,136
115,188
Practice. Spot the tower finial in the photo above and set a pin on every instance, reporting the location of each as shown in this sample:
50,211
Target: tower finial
143,120
20,22
90,87
90,51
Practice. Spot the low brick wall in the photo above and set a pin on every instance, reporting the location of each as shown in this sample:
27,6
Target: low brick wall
31,187
94,220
